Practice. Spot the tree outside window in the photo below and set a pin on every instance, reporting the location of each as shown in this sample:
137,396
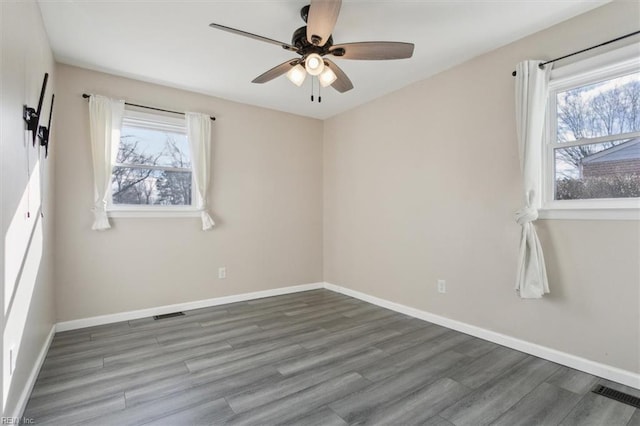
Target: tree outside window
153,167
592,122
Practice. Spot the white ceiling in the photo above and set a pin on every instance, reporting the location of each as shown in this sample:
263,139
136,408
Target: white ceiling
170,42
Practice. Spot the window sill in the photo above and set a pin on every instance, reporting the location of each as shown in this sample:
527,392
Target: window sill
148,213
589,213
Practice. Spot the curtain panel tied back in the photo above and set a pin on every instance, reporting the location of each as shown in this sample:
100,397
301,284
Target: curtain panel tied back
105,120
199,136
531,101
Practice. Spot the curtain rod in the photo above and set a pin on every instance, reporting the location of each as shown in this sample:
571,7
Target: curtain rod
542,64
84,95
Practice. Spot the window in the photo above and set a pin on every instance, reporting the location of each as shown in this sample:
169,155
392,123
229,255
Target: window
152,169
592,152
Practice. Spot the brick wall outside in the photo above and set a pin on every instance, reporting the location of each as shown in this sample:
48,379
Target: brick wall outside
609,168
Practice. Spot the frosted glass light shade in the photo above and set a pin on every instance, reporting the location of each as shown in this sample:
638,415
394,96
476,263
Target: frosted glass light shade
327,77
314,64
297,75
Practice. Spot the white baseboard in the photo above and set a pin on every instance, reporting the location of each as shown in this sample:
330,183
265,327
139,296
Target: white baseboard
31,381
597,369
159,310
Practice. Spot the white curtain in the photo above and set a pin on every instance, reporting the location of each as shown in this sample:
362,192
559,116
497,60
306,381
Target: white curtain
105,119
531,101
199,135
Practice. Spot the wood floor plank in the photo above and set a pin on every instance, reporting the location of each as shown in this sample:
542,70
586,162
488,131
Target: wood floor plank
157,327
250,318
347,335
298,404
215,334
545,405
417,408
476,347
364,317
322,307
170,355
573,380
271,391
227,362
125,369
260,335
95,349
484,405
355,408
307,358
437,421
205,338
276,307
310,359
207,413
230,384
597,410
70,339
160,408
363,309
488,367
412,338
635,419
415,355
322,417
318,317
77,413
51,368
67,395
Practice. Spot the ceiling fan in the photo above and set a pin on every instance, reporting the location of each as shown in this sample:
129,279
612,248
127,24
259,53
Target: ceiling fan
313,42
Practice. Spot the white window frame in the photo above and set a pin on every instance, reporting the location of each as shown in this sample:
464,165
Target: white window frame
155,122
610,65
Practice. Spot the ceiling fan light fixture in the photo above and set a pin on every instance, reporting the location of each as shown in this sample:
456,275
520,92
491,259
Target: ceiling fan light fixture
314,64
297,75
327,77
313,42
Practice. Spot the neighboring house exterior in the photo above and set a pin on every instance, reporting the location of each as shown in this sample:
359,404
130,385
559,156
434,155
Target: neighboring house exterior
623,159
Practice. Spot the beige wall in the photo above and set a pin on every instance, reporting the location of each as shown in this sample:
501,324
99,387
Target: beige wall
25,254
266,201
423,184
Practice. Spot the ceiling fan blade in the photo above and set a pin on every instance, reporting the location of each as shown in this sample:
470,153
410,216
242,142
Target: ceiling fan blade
322,18
286,46
373,50
342,83
276,71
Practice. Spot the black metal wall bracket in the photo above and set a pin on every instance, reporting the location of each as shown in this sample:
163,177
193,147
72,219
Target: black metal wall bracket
43,135
31,115
43,132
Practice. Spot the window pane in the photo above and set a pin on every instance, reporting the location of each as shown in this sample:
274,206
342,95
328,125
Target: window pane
605,108
131,185
604,170
153,147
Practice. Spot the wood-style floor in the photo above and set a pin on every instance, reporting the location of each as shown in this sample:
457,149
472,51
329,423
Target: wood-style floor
309,358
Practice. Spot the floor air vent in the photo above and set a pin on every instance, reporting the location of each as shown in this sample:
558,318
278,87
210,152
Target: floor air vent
625,398
165,316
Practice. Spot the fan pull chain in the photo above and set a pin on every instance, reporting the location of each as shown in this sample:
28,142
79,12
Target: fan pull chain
311,79
319,92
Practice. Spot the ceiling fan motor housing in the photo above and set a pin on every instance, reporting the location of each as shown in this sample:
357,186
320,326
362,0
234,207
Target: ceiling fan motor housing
299,40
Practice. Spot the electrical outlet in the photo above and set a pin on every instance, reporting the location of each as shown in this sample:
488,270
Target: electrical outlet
442,286
222,273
